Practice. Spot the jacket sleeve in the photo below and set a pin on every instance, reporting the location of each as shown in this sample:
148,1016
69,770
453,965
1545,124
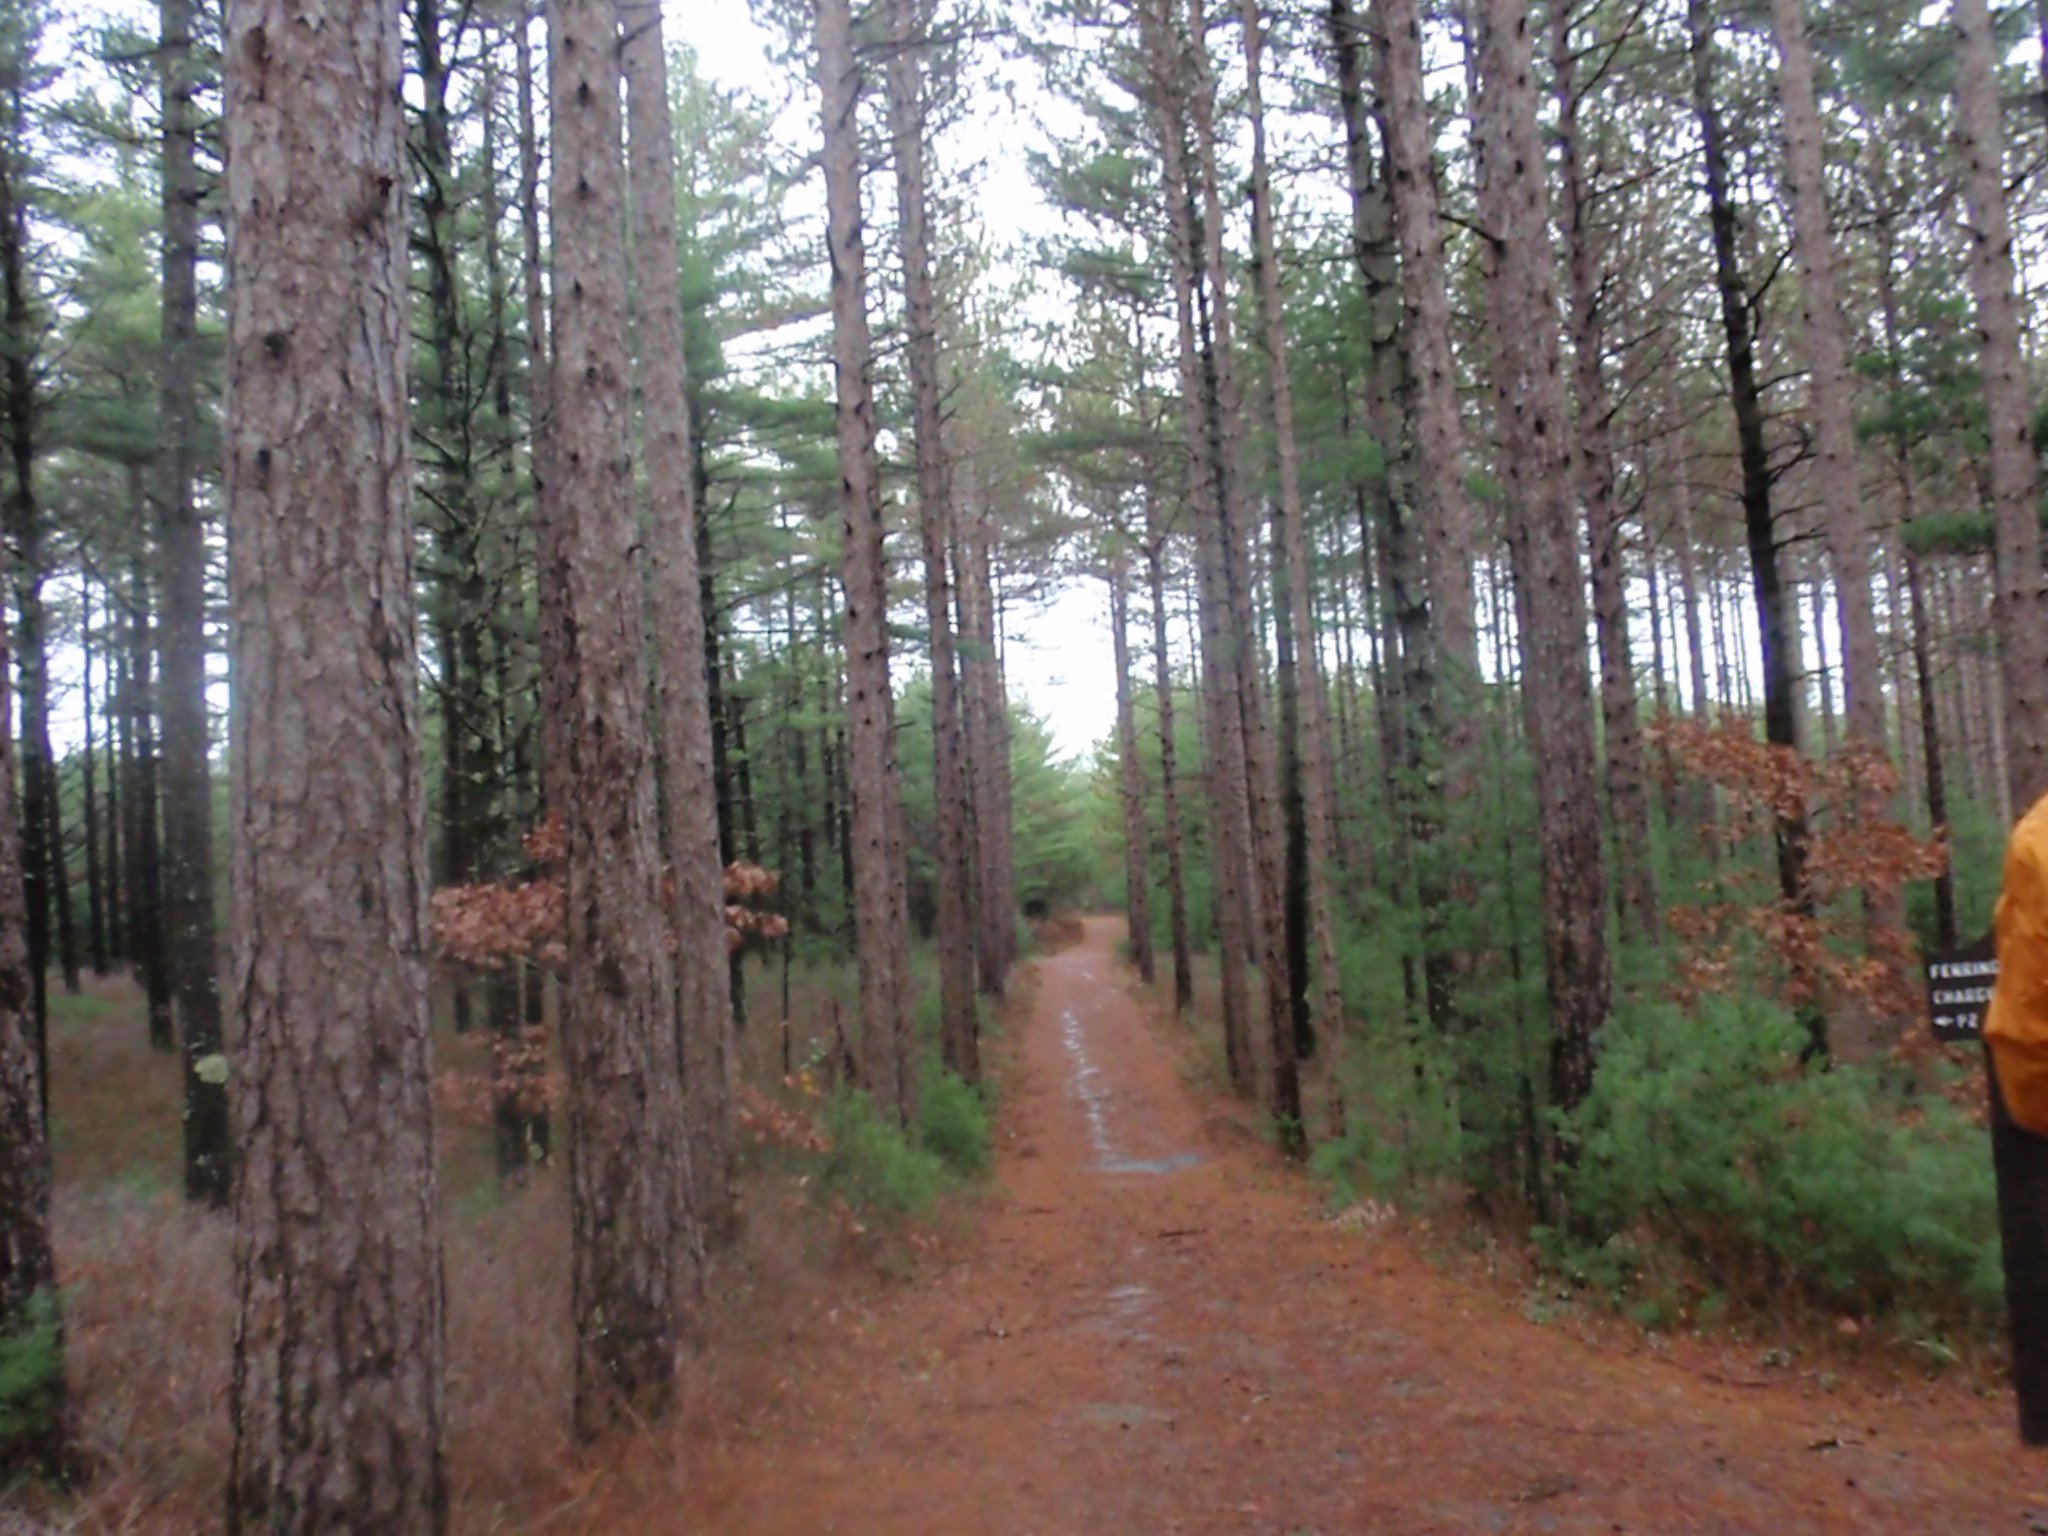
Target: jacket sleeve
2017,1025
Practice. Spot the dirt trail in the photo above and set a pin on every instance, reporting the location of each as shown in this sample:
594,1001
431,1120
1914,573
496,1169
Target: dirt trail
1154,1330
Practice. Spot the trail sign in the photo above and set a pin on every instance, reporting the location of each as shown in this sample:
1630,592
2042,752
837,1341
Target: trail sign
1959,983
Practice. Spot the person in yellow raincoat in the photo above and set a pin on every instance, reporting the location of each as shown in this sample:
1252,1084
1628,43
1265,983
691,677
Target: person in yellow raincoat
2016,1027
2016,1035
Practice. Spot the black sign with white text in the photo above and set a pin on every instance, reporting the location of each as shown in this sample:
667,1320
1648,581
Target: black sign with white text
1959,983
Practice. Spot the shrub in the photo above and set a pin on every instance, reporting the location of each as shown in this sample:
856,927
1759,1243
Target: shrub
872,1165
1705,1138
31,1371
953,1123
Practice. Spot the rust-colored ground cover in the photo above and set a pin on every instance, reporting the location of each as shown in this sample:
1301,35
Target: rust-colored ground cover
1153,1329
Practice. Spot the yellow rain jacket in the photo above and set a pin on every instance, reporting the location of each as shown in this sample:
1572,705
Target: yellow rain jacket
2017,1025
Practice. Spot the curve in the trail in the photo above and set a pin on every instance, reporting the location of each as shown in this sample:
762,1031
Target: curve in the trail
1153,1330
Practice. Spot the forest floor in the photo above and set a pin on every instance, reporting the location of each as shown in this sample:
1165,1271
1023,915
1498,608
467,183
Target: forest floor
1153,1327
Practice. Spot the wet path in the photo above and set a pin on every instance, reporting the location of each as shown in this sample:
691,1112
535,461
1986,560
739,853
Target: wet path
1153,1331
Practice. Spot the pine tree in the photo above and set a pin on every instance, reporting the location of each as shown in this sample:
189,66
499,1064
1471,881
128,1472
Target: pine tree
619,1026
2017,611
186,774
1550,594
881,921
675,516
338,1376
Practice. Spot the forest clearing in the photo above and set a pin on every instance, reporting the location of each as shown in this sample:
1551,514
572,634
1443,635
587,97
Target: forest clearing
594,588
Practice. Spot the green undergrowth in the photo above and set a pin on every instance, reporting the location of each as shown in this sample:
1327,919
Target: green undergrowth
31,1373
1711,1164
886,1172
1711,1175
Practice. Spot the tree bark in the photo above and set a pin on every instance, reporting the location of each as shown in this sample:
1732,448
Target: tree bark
190,927
2017,610
24,531
1848,526
1310,747
526,1132
958,1030
97,948
1934,767
337,1391
1130,777
697,914
887,1065
1169,763
1689,594
1264,839
550,581
1592,457
988,749
441,439
115,734
1823,671
1229,826
145,900
1844,519
1429,527
28,1267
627,1157
1443,510
1776,602
1544,546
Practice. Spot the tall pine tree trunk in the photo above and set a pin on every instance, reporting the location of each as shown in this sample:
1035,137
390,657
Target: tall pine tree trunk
1274,1038
551,582
1310,747
1169,760
1430,536
1776,600
338,1376
689,797
1443,510
189,923
1845,521
23,528
97,947
441,444
988,739
1543,543
2017,612
619,1026
1130,776
881,918
958,1040
144,872
1592,456
1934,767
29,1318
1224,775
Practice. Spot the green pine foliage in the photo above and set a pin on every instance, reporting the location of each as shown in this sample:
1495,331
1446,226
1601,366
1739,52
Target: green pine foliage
873,1166
954,1123
1708,1154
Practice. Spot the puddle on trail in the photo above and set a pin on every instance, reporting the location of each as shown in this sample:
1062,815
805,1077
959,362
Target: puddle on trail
1172,1164
1094,1096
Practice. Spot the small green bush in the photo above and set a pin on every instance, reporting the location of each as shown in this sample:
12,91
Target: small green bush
31,1371
873,1166
954,1124
1705,1138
